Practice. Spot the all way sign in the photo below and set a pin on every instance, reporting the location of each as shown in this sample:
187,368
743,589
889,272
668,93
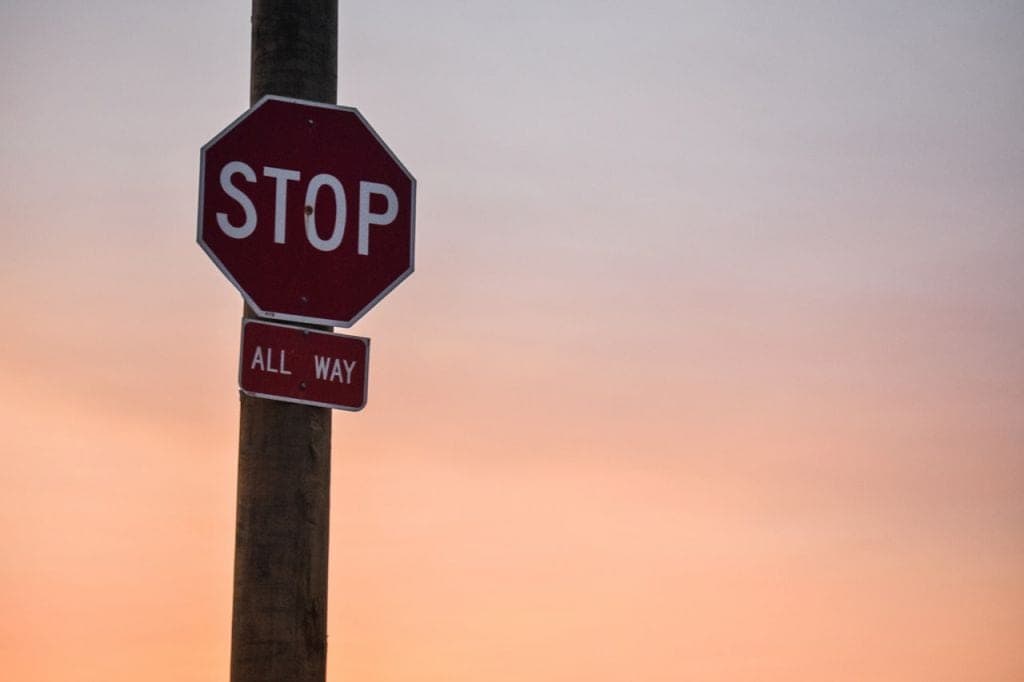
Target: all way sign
305,366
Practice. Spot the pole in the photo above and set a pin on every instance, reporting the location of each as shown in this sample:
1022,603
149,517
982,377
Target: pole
279,615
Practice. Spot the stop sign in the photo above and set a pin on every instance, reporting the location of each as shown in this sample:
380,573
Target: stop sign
306,211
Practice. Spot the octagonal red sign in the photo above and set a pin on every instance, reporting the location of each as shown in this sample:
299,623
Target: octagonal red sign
306,211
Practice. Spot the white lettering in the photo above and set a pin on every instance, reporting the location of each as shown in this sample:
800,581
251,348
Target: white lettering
245,229
281,364
366,191
320,366
312,190
257,360
336,372
333,369
281,176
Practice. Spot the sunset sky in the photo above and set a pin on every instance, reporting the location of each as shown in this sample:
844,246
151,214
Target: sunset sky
712,366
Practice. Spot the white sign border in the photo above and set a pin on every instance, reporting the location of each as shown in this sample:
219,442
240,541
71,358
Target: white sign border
298,401
288,317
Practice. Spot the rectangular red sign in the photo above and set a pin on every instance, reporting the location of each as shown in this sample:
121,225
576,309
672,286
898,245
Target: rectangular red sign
299,365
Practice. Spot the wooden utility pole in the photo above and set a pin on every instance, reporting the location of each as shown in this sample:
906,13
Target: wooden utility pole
279,617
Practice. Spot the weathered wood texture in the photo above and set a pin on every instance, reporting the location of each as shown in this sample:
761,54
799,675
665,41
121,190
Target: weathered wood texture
295,49
279,617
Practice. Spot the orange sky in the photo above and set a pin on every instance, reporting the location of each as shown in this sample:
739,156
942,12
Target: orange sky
711,367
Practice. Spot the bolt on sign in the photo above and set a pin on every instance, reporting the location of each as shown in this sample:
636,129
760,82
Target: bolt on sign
306,211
